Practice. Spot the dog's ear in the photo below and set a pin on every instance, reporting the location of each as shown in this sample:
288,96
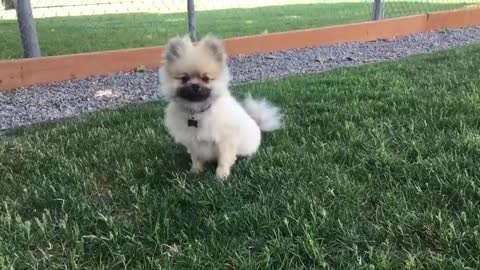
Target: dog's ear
215,46
174,48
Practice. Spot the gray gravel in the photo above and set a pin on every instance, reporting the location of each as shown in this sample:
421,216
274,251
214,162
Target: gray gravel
66,99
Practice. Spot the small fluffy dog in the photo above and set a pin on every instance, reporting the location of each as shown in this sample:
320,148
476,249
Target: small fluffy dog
202,115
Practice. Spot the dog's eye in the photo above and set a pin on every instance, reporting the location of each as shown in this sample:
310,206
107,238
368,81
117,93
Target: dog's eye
206,79
184,78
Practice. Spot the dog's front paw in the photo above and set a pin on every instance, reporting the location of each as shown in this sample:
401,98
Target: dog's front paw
223,173
197,167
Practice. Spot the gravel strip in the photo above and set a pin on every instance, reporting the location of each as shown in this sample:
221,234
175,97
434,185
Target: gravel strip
66,99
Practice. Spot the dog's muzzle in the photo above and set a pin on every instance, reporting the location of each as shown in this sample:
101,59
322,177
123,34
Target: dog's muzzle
194,92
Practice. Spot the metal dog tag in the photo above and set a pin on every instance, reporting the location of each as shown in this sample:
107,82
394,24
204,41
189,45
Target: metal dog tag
192,123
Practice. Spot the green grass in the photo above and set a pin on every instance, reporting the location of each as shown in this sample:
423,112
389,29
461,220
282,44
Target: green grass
97,33
377,168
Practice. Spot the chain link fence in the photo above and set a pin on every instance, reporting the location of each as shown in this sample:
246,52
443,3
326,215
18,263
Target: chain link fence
74,26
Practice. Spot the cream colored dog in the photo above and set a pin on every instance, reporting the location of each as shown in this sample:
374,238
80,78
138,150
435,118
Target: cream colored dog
202,115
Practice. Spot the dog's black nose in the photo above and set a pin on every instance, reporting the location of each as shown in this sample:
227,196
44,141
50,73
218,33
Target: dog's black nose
195,87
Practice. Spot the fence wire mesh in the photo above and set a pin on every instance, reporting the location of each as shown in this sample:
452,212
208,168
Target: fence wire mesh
74,26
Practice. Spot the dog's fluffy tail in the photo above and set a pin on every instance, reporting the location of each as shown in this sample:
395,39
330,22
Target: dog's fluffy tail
267,116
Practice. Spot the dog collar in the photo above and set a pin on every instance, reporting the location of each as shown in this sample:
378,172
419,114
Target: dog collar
201,110
192,122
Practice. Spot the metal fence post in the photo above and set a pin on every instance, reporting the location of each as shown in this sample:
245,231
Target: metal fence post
378,9
192,24
28,31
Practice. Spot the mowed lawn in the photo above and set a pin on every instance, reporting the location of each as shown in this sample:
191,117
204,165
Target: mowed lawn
68,35
376,168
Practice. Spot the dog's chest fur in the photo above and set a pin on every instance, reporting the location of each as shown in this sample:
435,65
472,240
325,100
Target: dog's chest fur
203,133
202,139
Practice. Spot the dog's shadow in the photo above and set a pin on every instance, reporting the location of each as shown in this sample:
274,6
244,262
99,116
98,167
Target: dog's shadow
174,164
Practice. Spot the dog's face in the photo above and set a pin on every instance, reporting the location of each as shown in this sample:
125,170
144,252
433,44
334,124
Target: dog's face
194,73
